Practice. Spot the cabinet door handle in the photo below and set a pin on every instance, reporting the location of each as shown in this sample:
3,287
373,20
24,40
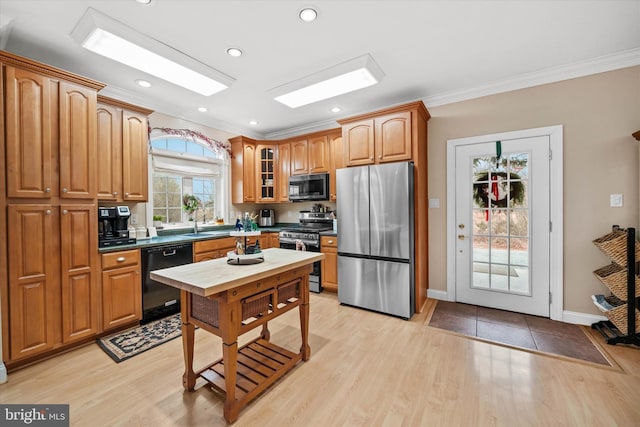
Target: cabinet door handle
64,212
48,211
330,241
126,194
64,190
121,259
47,190
115,193
380,156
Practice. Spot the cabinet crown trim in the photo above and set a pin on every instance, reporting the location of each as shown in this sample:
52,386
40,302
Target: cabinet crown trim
31,65
125,105
418,106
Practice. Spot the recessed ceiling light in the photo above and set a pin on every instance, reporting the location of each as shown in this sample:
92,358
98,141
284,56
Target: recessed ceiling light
349,76
335,109
234,51
105,36
253,122
143,83
308,14
202,109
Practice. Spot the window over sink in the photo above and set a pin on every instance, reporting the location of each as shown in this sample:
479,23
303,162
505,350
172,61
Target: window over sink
187,166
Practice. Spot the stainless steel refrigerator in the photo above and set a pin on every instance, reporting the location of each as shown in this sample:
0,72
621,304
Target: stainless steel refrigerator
376,244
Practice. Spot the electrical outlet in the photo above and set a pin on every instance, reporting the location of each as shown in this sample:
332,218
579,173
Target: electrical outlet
434,203
134,219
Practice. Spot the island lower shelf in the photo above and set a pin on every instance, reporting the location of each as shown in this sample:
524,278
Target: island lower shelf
260,364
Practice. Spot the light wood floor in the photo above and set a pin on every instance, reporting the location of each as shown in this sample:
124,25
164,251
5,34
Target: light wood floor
366,369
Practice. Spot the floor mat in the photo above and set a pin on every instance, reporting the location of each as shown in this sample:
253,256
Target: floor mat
131,342
517,330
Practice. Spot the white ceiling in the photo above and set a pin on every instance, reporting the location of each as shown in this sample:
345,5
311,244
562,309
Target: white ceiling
436,51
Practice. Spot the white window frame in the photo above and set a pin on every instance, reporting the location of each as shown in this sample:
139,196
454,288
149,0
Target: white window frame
223,183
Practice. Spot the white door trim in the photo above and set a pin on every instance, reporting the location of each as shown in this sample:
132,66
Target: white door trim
556,270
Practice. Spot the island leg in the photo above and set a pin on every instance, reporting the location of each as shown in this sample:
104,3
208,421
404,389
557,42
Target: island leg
305,350
188,339
230,357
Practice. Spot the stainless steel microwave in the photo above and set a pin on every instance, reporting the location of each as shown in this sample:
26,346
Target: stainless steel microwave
309,187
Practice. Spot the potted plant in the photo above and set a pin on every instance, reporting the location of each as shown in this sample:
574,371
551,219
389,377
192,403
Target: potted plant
157,221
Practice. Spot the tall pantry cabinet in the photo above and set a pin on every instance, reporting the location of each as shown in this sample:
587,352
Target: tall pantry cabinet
49,259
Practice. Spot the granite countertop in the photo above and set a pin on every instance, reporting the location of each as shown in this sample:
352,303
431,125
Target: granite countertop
197,278
182,237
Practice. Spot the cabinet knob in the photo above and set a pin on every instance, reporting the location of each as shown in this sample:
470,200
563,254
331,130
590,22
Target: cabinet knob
64,212
380,156
121,259
115,193
48,211
370,158
47,190
126,194
330,241
64,190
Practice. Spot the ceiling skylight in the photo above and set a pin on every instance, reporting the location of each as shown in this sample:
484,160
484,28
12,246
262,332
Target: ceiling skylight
347,77
110,38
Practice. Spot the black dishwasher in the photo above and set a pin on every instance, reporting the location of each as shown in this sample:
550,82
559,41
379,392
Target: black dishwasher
160,300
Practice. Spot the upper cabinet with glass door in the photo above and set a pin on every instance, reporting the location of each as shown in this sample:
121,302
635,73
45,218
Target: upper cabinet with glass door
266,173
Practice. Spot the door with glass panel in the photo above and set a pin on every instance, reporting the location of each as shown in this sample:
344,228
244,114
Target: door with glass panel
503,225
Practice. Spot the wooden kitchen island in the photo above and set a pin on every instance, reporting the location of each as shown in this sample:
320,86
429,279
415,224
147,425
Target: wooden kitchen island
230,300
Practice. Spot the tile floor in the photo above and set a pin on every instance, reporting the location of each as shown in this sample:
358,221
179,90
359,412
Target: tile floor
516,329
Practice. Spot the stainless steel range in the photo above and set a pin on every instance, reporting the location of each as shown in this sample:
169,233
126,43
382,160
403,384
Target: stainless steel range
306,236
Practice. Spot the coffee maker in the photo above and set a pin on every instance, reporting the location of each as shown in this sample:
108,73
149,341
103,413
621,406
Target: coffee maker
113,226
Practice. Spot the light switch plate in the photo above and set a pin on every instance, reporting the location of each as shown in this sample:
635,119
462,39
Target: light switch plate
615,200
133,219
434,203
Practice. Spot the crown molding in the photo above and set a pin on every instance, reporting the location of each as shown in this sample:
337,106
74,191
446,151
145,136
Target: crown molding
624,59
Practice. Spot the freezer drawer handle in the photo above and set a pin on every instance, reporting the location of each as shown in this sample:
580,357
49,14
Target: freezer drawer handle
169,253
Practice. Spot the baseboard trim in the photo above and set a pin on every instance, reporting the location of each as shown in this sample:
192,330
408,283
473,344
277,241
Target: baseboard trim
436,294
581,318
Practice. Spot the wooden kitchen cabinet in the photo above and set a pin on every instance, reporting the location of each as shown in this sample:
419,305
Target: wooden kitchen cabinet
30,121
34,280
299,157
205,250
49,254
266,164
135,149
243,170
77,118
329,267
336,161
121,289
358,143
79,266
50,128
122,134
52,276
318,150
284,171
380,139
269,239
